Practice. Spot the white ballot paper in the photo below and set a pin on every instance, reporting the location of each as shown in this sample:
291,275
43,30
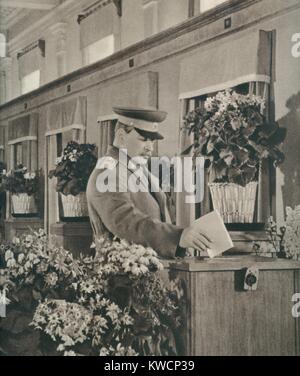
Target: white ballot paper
213,225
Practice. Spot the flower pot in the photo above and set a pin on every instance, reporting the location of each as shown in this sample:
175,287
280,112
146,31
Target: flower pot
75,206
235,203
23,204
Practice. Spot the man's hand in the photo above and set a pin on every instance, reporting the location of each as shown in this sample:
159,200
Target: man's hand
192,238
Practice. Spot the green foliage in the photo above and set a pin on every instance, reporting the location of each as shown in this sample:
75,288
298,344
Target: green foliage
233,136
74,168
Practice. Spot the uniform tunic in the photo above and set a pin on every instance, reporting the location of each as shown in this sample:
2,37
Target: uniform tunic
138,217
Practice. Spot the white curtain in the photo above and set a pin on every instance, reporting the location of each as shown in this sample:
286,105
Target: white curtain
22,141
31,60
99,24
232,61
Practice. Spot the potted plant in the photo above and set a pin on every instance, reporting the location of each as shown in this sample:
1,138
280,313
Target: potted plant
233,136
23,186
72,171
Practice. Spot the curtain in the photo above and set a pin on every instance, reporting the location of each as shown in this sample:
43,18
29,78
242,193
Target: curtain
98,24
66,122
106,135
30,61
65,116
22,140
246,59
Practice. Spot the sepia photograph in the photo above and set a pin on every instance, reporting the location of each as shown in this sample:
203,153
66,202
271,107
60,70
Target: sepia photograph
149,180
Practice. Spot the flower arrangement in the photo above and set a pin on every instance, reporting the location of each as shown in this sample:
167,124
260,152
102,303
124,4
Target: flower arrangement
285,240
74,167
233,136
20,181
111,304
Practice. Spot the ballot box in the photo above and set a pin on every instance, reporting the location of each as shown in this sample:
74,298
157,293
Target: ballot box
238,305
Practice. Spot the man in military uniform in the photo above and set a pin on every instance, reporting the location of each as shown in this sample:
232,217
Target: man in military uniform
139,216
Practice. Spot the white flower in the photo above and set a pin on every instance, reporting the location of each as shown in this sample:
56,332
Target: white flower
16,241
131,352
208,105
11,263
21,258
8,255
69,353
139,269
113,311
104,351
51,279
127,320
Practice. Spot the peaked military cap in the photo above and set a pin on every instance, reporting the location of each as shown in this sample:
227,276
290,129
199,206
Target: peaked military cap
144,120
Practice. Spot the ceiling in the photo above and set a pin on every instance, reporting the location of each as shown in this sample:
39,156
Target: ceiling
11,8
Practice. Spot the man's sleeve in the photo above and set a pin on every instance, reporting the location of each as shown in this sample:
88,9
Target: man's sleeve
124,220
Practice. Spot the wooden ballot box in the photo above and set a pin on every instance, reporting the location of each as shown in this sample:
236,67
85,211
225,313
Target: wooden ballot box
239,305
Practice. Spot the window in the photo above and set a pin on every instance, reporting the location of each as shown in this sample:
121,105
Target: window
99,50
30,82
257,88
150,18
22,141
209,4
2,45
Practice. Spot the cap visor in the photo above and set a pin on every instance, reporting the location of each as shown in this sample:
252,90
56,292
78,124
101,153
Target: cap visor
150,135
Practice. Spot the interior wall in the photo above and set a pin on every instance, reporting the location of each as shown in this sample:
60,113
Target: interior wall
287,110
129,89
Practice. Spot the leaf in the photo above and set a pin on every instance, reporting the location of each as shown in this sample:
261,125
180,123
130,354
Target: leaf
241,155
249,173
